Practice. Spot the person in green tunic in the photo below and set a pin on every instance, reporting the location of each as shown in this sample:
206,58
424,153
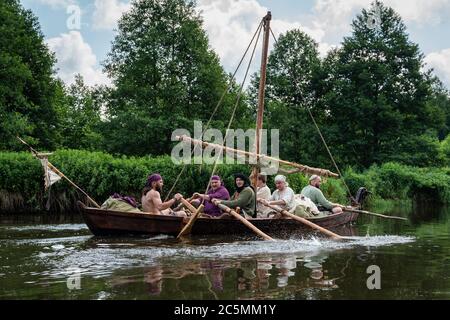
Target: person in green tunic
313,192
243,198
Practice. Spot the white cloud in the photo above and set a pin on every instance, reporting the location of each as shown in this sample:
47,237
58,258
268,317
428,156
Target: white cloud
334,17
76,57
108,12
423,12
230,25
440,62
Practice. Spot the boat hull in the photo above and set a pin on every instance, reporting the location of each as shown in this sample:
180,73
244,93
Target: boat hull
112,223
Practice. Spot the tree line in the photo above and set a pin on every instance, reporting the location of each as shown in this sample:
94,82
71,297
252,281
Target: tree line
372,97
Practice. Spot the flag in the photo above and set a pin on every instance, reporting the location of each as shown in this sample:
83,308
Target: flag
50,177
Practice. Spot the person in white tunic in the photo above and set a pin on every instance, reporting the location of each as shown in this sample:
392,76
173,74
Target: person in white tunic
263,193
283,197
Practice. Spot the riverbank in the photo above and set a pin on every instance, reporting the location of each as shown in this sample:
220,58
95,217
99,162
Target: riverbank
100,175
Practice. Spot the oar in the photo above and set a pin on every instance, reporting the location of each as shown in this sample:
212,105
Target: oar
197,213
375,214
188,205
247,223
305,222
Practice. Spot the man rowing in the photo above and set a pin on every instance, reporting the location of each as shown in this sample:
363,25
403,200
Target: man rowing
313,192
151,198
282,197
263,193
216,190
243,198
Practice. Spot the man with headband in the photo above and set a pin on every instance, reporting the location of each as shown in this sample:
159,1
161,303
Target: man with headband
216,191
151,198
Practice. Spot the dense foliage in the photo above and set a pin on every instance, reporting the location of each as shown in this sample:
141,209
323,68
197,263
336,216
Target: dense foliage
379,99
81,121
29,94
100,174
165,77
292,79
371,98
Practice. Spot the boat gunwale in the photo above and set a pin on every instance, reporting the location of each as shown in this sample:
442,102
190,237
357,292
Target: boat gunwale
152,216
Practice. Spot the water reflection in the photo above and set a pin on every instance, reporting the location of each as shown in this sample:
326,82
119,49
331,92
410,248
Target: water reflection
153,278
260,278
35,259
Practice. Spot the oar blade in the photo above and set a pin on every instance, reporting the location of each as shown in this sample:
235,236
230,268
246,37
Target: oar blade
188,227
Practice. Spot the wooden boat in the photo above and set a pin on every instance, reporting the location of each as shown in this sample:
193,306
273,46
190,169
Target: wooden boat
107,222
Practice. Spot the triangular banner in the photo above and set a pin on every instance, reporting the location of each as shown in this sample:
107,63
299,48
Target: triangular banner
50,177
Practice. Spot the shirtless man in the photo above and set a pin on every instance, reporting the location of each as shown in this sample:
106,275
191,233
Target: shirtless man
151,198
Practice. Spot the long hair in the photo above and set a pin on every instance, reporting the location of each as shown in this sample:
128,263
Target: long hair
148,187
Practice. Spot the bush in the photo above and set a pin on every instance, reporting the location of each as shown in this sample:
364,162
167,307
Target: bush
445,150
100,175
21,182
400,182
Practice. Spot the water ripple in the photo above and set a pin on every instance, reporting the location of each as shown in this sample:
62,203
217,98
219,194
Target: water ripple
102,258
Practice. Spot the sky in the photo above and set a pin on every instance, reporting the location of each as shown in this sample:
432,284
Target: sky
80,32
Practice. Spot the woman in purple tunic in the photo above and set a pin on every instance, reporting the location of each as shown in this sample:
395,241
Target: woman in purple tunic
216,191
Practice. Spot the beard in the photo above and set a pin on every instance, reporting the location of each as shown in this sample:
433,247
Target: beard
159,188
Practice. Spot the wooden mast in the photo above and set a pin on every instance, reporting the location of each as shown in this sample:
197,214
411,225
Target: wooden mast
261,94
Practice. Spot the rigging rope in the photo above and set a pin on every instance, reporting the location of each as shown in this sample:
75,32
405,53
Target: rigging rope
234,111
317,126
257,32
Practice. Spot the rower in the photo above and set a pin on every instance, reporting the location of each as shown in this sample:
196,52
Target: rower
216,190
313,192
283,196
263,193
151,198
243,198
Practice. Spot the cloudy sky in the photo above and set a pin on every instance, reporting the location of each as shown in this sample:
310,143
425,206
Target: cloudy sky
80,31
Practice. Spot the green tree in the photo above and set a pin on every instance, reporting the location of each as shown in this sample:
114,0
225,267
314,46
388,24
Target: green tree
377,96
423,150
27,87
165,76
81,116
292,73
440,104
445,145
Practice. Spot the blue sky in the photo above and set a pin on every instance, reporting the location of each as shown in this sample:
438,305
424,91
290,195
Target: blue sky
230,24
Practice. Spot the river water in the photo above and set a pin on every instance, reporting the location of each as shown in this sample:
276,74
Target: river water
44,257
